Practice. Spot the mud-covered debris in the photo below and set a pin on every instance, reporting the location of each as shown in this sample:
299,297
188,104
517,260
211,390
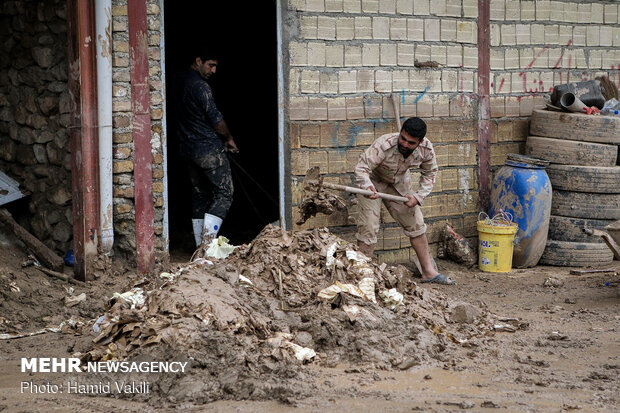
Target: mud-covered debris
317,199
454,247
553,282
464,313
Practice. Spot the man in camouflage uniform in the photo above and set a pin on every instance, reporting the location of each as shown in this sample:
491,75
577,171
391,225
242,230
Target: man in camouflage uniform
204,140
384,167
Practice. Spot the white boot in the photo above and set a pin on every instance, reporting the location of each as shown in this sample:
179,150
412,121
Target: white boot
198,225
211,226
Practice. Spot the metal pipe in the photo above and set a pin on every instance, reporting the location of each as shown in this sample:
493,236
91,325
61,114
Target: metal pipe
484,108
281,95
84,137
141,132
103,16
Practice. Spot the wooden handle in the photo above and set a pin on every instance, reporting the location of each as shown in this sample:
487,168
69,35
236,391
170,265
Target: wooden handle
355,190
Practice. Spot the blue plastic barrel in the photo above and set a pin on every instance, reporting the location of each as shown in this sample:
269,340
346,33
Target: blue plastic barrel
522,188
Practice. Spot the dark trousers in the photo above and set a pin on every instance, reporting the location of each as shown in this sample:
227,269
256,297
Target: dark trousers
212,185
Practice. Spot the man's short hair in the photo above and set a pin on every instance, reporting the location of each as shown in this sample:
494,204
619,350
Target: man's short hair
415,127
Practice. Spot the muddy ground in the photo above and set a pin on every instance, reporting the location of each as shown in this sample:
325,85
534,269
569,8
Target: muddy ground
564,354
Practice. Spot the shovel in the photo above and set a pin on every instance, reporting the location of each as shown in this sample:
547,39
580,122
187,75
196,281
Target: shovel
313,177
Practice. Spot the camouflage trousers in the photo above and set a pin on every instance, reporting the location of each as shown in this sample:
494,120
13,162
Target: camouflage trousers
368,222
212,185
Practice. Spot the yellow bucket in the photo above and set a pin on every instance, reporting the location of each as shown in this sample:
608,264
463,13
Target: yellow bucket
495,247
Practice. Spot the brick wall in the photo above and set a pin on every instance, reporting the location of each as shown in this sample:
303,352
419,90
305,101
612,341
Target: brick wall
345,58
124,209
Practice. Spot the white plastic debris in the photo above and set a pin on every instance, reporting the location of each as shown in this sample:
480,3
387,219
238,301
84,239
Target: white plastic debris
166,275
329,255
392,298
220,248
337,288
356,256
74,299
245,281
367,285
101,321
283,340
135,297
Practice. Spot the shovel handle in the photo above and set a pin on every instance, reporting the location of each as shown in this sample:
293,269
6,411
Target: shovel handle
355,190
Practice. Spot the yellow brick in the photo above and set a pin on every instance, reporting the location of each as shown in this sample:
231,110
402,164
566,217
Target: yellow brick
353,156
319,159
337,161
122,208
309,136
122,166
329,135
158,187
299,162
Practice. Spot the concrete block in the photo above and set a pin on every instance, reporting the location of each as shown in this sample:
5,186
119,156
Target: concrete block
545,84
497,59
449,81
380,28
466,32
597,15
333,6
388,108
408,106
608,60
370,6
308,27
370,54
298,54
421,8
315,5
352,55
400,80
326,28
497,10
422,52
328,82
596,59
578,13
526,56
453,8
316,54
363,27
352,6
299,162
373,107
616,38
310,81
334,55
347,81
526,105
466,81
415,29
552,34
528,10
345,28
593,36
328,134
336,162
298,108
502,83
404,6
431,30
439,54
448,30
610,14
523,34
309,136
537,34
405,54
495,35
543,10
365,81
513,9
318,158
470,57
387,54
417,80
355,107
542,58
470,8
496,104
425,107
383,81
606,36
512,106
517,82
566,35
398,29
433,80
438,8
337,108
556,11
294,135
454,56
387,6
364,134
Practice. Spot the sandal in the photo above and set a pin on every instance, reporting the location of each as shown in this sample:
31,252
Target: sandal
440,279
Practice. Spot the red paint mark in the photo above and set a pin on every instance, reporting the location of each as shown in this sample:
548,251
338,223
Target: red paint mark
613,67
491,84
519,98
501,85
537,56
557,64
524,76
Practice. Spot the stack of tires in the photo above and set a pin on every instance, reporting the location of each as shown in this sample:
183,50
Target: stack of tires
585,176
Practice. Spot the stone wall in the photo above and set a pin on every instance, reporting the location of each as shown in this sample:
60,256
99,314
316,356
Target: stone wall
124,208
345,58
34,115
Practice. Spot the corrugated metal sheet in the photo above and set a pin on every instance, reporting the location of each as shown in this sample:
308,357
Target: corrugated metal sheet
9,189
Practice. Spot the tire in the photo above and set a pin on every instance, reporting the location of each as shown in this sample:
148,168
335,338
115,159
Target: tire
565,152
576,254
571,229
575,126
584,205
591,179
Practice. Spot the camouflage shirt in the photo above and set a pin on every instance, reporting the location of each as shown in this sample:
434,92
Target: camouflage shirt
196,115
382,162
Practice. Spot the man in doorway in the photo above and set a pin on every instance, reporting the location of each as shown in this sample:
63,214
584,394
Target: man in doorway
384,167
204,139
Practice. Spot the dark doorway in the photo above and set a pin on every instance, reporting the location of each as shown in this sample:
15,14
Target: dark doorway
245,91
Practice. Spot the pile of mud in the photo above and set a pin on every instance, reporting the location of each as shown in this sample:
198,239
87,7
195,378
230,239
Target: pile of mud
249,325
